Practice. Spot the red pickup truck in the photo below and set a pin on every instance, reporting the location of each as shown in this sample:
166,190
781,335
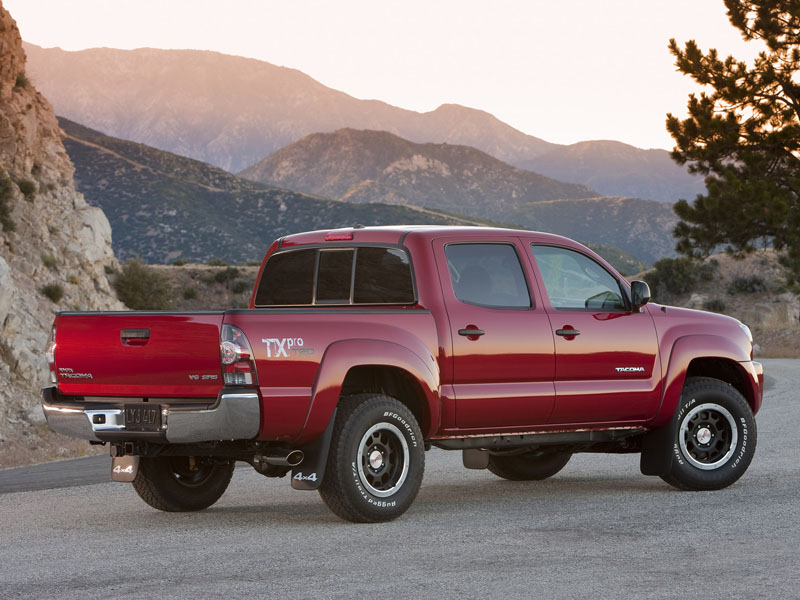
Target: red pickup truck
364,347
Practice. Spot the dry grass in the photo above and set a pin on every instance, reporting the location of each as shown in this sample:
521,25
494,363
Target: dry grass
37,443
783,342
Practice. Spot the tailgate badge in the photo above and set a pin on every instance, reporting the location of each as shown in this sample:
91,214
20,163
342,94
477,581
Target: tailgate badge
67,373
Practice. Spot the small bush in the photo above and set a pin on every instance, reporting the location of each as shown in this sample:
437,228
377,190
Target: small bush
747,285
5,199
28,189
226,275
73,279
207,278
22,80
178,262
677,276
189,293
110,270
239,286
143,288
714,305
49,261
216,262
54,291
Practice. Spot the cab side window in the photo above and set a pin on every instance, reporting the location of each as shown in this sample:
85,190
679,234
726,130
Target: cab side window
575,282
487,275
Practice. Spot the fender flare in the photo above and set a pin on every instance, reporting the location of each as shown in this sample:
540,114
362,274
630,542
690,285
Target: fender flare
342,356
656,457
684,351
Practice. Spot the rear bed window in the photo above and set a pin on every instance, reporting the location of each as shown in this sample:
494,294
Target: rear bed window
337,276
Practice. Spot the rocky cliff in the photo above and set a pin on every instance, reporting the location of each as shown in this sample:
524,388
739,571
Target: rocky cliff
54,248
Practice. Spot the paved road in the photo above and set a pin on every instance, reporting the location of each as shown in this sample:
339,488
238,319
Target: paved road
597,530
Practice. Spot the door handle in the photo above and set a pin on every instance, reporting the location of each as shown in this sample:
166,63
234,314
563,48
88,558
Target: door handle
471,332
568,332
134,337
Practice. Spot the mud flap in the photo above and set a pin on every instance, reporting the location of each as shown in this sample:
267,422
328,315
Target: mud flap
124,468
475,458
658,450
308,474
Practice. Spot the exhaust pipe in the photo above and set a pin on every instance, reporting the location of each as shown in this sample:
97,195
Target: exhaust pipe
292,458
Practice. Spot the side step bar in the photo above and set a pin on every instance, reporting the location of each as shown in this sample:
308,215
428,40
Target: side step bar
544,438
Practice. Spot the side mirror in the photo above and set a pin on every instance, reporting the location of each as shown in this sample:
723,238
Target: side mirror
640,294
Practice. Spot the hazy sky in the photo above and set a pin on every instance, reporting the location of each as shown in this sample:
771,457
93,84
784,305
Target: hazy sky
564,71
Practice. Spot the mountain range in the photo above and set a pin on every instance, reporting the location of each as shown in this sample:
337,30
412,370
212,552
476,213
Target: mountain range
232,112
164,207
376,166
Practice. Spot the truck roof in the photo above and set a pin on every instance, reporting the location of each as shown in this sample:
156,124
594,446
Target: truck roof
396,234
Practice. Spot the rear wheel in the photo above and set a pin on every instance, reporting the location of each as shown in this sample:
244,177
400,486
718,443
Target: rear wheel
528,466
182,483
376,460
715,436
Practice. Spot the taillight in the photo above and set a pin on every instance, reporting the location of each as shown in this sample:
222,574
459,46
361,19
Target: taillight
51,355
238,364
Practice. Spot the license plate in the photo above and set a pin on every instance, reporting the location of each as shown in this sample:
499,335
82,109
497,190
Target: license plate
143,417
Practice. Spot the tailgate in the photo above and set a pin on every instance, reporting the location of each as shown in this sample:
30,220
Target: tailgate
138,354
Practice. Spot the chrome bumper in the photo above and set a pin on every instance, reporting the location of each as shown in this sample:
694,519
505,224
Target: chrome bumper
236,416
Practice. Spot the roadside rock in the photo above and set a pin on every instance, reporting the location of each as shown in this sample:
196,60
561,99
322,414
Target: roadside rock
50,237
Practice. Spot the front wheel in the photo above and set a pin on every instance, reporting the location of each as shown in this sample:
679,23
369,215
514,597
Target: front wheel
376,460
715,436
182,483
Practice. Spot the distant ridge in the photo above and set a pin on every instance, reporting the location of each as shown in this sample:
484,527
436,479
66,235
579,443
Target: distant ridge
164,207
232,112
376,166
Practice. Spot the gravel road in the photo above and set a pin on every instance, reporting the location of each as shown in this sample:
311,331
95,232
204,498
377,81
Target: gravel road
599,529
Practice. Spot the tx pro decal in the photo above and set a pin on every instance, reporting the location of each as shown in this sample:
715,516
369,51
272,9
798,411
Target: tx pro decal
283,347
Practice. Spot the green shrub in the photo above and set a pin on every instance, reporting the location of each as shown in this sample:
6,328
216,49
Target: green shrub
49,261
226,275
216,262
189,293
5,204
28,189
714,305
677,276
54,291
178,262
22,80
747,285
143,288
73,279
239,286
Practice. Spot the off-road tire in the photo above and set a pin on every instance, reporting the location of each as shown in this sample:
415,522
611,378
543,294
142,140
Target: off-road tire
376,459
715,436
528,466
169,483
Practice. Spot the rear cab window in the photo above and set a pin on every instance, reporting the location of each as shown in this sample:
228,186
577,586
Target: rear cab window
364,275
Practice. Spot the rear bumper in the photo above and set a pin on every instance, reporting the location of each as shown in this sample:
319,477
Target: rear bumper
235,416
